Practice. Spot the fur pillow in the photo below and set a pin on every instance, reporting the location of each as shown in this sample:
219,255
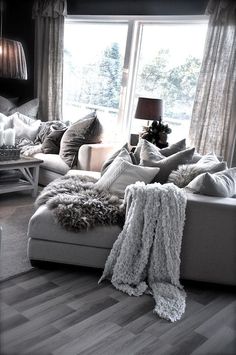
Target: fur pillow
186,173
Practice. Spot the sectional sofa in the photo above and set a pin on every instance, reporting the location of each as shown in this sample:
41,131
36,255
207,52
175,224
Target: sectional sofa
209,238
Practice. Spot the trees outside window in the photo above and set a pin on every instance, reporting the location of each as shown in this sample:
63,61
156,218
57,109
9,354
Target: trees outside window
167,64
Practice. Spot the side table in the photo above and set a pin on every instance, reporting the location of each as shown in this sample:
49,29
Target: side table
29,167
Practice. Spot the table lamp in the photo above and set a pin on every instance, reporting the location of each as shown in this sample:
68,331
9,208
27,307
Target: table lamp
149,109
152,110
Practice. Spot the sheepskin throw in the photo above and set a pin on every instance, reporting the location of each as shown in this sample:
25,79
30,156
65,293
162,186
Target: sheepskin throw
146,256
76,204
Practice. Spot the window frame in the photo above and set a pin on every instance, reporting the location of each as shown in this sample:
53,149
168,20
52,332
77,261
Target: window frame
132,52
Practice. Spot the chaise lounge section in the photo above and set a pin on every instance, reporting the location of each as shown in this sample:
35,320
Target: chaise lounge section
208,246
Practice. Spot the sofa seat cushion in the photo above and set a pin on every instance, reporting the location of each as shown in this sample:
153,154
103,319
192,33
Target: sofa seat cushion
94,174
43,226
53,162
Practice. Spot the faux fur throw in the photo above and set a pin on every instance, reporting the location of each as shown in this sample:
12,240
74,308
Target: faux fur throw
146,255
76,204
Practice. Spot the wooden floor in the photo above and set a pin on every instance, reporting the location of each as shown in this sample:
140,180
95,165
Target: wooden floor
65,312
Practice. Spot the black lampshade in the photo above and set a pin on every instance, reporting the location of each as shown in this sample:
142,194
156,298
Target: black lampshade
149,109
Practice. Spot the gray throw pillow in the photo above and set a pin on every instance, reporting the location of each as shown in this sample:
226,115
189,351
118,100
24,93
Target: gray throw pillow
125,151
168,164
122,173
174,148
6,105
29,109
166,152
221,184
85,131
51,144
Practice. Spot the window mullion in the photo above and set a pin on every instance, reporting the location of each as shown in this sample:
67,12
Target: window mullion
129,75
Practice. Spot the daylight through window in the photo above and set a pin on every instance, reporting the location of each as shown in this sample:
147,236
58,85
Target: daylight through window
109,64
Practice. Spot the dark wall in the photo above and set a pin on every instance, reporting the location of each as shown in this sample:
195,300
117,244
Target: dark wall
136,7
19,25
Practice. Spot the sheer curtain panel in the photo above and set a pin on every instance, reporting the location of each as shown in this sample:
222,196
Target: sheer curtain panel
49,45
213,124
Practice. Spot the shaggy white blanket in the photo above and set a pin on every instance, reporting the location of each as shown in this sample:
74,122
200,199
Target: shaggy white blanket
146,256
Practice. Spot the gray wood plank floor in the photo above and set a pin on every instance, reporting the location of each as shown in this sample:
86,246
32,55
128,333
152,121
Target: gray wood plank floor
64,311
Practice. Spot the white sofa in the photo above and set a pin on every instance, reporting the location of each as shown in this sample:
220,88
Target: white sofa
209,243
90,158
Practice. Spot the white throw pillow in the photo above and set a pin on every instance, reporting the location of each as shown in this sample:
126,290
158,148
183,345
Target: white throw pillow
221,184
5,121
122,173
24,130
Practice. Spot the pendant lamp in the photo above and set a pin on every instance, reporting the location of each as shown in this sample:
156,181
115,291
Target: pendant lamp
12,57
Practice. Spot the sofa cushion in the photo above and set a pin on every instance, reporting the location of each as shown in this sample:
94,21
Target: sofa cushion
111,158
25,128
186,173
44,227
5,121
6,105
94,174
29,108
166,164
220,184
53,162
166,152
122,173
51,144
86,130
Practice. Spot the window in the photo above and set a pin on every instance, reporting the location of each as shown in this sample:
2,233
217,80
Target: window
110,61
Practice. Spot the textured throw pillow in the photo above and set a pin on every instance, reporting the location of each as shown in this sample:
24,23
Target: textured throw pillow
51,144
27,120
122,173
125,152
221,184
166,152
186,173
168,164
86,130
24,130
48,127
6,105
29,109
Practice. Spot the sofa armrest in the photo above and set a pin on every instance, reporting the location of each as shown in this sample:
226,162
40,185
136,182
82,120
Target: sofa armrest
92,156
209,243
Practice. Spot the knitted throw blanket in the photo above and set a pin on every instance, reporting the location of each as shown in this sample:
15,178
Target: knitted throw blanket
146,255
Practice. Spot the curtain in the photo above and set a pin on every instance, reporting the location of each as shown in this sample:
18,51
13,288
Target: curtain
49,42
213,123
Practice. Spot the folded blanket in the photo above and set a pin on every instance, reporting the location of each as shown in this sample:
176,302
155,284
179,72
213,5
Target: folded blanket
146,255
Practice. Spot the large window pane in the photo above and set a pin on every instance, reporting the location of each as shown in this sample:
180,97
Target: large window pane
93,67
168,68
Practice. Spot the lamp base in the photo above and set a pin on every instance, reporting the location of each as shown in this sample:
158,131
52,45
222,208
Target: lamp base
155,134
